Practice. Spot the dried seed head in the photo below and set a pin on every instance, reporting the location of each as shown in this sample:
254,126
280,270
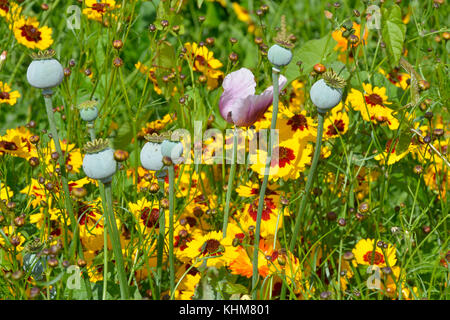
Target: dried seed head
96,145
333,80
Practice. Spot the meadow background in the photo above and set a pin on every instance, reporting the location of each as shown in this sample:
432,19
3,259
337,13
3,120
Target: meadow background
376,221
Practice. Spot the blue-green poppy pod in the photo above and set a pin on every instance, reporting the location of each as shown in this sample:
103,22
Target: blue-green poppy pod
99,162
45,72
151,155
326,93
88,110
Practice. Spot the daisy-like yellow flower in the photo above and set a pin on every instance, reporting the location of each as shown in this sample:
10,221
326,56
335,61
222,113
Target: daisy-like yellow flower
336,123
147,214
9,10
15,142
243,266
289,159
211,246
8,96
297,97
394,156
5,192
368,253
437,178
244,16
28,33
186,289
397,78
372,104
99,10
203,61
157,125
73,156
296,125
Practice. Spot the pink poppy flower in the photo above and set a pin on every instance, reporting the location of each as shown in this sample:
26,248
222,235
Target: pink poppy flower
238,104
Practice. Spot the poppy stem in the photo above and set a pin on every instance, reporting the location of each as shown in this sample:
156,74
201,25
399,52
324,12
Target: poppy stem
171,209
106,195
262,192
309,183
230,184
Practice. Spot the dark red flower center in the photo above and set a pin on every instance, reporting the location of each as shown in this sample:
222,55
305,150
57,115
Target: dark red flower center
267,209
4,5
100,7
334,129
373,257
86,214
4,96
374,99
389,147
298,122
210,246
7,145
31,33
150,217
285,156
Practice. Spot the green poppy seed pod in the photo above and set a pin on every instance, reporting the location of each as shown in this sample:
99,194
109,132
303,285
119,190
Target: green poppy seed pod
279,56
172,149
100,165
325,97
45,73
89,114
151,156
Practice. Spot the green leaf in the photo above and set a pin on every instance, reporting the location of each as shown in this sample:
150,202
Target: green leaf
165,56
235,288
393,32
312,52
199,3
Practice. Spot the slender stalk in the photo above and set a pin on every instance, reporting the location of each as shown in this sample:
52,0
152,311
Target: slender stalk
275,76
106,194
160,244
171,209
91,130
62,164
230,185
105,261
309,184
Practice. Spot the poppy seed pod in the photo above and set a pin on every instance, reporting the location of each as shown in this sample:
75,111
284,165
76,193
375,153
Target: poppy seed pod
172,149
44,72
326,93
99,162
279,56
88,110
151,156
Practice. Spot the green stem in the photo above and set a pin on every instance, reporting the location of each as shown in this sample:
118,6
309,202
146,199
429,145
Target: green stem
62,165
91,130
230,185
275,76
106,194
171,209
309,184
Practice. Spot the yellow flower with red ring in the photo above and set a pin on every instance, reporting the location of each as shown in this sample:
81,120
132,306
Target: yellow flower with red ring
28,33
368,252
8,96
372,104
289,158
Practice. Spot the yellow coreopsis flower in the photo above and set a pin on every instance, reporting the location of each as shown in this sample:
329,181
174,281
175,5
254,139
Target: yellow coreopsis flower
99,10
372,104
8,96
28,33
368,253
